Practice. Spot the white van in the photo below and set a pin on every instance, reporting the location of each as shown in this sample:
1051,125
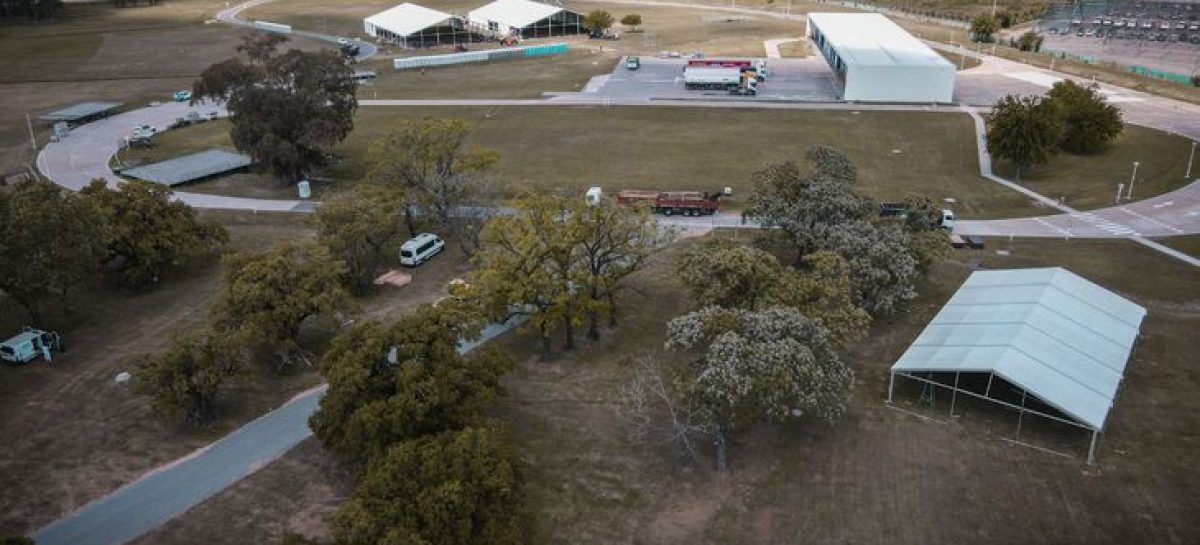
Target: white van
420,248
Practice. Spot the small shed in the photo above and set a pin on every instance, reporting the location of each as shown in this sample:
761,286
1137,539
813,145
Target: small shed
1060,339
190,167
78,114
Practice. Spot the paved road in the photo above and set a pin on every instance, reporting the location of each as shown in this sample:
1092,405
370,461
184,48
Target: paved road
366,49
168,491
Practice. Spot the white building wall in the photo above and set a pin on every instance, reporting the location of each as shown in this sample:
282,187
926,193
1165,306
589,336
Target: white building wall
899,84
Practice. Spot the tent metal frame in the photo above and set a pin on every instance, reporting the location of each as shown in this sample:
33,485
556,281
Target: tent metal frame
986,396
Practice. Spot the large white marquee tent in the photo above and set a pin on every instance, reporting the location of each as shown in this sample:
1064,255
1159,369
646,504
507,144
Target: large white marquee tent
1053,334
412,25
526,19
877,61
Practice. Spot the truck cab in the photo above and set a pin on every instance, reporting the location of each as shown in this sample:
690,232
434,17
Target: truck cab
632,63
946,220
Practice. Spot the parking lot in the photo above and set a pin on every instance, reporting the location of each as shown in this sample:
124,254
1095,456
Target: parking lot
1165,36
807,79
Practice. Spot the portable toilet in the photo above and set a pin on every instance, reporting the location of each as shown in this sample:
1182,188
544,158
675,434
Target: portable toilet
305,189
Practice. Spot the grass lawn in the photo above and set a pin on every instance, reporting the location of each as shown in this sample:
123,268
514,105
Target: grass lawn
1090,181
570,148
1188,244
795,50
877,475
523,78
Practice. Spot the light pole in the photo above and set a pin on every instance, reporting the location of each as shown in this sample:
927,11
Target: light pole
1191,156
1132,178
994,8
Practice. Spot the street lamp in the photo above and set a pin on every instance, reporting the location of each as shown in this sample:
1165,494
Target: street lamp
1132,177
1191,156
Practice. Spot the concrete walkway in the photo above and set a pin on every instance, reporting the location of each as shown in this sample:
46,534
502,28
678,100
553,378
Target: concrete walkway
168,491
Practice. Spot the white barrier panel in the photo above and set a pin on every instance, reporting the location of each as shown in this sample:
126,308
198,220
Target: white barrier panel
273,27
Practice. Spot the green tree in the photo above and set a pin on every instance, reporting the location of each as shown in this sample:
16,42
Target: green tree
1030,41
632,21
267,296
529,260
1024,130
983,27
458,488
49,243
724,273
928,242
363,228
287,110
804,208
614,242
774,364
185,380
393,384
1089,122
883,271
431,161
146,232
599,20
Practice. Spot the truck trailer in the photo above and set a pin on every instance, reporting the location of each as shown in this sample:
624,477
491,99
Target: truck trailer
758,66
702,77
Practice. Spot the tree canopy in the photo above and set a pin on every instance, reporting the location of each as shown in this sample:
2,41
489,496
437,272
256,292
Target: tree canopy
146,232
882,268
772,364
431,161
409,380
806,207
1024,130
363,228
267,296
599,19
460,487
287,109
51,241
632,20
184,380
983,27
1089,122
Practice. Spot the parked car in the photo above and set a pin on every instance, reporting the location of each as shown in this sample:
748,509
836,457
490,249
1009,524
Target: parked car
420,249
182,95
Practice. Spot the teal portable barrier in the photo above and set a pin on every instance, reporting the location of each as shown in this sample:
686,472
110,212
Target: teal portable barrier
480,56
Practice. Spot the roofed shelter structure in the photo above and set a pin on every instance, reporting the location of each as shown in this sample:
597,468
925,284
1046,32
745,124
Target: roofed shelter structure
1060,339
78,114
411,25
877,61
191,167
525,19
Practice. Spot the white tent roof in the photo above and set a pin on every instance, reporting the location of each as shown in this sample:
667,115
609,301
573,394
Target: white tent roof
870,39
407,19
513,13
1058,336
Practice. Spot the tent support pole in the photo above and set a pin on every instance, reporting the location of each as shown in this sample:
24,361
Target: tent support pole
1091,461
988,392
891,384
954,392
1021,415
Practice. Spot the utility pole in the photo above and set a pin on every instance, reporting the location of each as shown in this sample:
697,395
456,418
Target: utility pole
1191,156
1132,178
994,9
33,141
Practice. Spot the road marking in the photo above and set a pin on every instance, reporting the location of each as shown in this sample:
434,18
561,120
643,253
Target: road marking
1150,220
1160,205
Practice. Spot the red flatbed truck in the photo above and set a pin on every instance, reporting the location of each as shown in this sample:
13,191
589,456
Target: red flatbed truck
670,203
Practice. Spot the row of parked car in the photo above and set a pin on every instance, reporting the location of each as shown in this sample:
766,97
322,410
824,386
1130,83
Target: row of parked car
1170,36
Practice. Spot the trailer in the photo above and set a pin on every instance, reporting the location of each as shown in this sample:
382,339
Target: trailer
701,77
758,66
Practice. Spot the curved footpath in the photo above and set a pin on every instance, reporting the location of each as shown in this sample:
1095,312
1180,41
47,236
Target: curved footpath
366,49
165,492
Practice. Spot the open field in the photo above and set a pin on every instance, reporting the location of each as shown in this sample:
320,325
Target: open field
568,149
523,78
71,434
1089,181
878,475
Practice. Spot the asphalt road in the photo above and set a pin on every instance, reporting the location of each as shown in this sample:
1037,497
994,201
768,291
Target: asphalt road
167,491
366,49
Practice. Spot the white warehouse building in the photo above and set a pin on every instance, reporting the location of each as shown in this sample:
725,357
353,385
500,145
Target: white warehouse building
877,61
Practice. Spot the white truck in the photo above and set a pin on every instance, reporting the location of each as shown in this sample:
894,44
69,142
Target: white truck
734,80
